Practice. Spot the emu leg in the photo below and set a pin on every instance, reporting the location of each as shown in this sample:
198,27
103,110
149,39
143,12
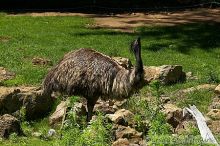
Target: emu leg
90,107
90,112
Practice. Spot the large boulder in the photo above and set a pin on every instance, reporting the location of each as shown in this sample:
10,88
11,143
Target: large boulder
10,101
36,105
166,74
5,74
9,125
13,98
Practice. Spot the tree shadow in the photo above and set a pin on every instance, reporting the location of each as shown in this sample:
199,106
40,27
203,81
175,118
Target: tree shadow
183,37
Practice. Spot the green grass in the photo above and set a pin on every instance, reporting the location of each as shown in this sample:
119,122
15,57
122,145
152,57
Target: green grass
194,46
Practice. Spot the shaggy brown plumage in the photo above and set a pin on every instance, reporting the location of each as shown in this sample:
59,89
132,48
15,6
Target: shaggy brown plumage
91,74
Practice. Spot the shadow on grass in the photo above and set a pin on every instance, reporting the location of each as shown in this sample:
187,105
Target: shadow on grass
183,38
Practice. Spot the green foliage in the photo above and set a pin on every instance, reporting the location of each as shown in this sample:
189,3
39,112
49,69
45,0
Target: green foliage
212,75
13,137
148,112
180,140
96,134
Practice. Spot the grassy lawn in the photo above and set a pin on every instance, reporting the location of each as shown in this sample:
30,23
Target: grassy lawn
194,46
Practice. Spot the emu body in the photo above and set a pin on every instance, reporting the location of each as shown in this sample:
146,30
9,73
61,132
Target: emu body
91,74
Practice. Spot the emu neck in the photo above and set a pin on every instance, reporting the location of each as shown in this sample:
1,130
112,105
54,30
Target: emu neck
139,63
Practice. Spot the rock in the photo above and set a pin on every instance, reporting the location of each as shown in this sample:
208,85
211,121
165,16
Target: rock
217,90
41,61
119,103
189,76
214,126
57,116
36,105
5,74
165,99
127,132
215,103
122,117
10,101
79,109
13,98
9,125
37,134
166,74
124,62
121,142
174,115
214,114
185,127
105,107
51,133
5,39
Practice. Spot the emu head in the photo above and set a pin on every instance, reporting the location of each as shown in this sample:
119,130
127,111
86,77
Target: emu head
136,46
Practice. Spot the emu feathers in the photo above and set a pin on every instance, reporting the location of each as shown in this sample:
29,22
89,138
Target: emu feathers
91,74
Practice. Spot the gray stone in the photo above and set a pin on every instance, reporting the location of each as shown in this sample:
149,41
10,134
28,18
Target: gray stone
51,133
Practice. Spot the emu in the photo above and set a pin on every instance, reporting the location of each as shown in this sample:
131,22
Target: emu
91,74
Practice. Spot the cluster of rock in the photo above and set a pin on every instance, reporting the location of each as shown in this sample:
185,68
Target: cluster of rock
124,131
13,99
16,101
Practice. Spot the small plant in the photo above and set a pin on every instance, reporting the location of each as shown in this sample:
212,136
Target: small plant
97,134
13,137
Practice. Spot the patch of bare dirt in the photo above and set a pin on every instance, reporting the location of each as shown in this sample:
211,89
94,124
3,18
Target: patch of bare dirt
127,22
